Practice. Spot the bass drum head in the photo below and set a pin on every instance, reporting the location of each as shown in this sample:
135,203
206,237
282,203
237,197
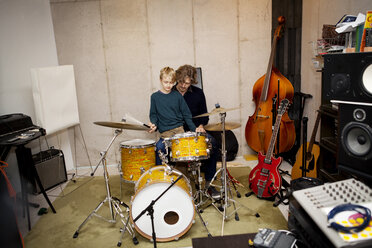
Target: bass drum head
173,212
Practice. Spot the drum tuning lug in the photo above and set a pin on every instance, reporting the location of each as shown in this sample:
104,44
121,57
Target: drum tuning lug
208,152
131,177
178,153
197,151
196,139
142,170
176,238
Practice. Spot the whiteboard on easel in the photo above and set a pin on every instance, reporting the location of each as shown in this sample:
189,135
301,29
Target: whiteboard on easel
55,99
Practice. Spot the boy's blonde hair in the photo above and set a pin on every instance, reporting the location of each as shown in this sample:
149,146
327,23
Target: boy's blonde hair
168,72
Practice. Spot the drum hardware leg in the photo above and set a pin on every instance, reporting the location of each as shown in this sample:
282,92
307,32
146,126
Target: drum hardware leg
226,194
200,192
112,201
201,219
150,209
236,190
121,179
126,226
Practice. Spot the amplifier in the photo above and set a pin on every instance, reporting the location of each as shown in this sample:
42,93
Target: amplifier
51,168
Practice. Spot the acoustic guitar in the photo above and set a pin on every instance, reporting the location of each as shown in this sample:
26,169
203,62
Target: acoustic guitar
264,179
306,166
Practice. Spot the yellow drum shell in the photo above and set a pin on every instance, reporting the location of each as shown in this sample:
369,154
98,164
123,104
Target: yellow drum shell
137,156
189,146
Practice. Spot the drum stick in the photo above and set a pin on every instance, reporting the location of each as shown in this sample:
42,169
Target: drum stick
128,118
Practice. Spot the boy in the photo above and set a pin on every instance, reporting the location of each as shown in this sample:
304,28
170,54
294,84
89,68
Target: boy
168,111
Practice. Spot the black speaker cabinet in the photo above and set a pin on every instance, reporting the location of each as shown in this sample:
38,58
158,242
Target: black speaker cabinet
355,139
51,168
347,77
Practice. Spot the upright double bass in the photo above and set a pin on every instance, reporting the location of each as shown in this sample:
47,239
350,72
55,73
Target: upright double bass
272,86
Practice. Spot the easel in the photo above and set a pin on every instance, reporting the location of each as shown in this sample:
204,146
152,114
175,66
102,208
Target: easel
86,151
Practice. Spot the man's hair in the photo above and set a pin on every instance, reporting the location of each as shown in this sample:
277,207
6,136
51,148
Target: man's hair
186,71
168,72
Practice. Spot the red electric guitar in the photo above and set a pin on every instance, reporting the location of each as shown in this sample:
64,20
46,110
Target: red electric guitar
264,179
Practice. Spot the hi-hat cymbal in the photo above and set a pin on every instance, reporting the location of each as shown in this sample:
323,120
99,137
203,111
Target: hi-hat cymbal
216,111
121,125
218,126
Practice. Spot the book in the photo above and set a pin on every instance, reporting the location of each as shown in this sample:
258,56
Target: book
367,26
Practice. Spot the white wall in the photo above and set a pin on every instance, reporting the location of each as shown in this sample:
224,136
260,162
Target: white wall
315,14
26,41
119,46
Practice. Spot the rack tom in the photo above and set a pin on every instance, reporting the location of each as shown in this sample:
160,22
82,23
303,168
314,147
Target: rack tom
189,146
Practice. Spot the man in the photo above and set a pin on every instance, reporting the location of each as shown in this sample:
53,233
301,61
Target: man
186,76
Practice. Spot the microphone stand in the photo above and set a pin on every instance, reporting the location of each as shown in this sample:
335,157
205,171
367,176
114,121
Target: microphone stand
150,209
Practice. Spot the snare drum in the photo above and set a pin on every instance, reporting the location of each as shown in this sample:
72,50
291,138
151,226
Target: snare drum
173,212
137,156
188,146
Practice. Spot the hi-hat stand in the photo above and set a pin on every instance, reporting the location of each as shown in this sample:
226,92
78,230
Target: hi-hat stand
226,195
113,202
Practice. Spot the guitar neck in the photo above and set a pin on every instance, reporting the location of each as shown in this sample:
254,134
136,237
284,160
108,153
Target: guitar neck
274,135
315,129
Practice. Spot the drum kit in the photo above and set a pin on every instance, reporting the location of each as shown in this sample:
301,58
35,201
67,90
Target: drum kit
174,212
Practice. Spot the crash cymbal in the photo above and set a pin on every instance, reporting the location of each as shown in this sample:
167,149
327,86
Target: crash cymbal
218,126
121,125
216,111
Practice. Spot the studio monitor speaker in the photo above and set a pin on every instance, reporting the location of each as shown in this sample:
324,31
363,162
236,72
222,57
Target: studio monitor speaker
355,139
347,77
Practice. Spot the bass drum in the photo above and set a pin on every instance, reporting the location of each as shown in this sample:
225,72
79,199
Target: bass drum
174,211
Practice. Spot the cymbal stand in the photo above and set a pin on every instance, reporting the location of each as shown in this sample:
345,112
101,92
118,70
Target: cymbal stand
226,195
113,202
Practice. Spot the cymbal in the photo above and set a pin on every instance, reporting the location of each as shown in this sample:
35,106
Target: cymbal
218,126
216,111
121,125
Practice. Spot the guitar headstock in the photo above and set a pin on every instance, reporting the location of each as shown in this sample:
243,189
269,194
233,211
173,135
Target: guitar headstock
283,106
